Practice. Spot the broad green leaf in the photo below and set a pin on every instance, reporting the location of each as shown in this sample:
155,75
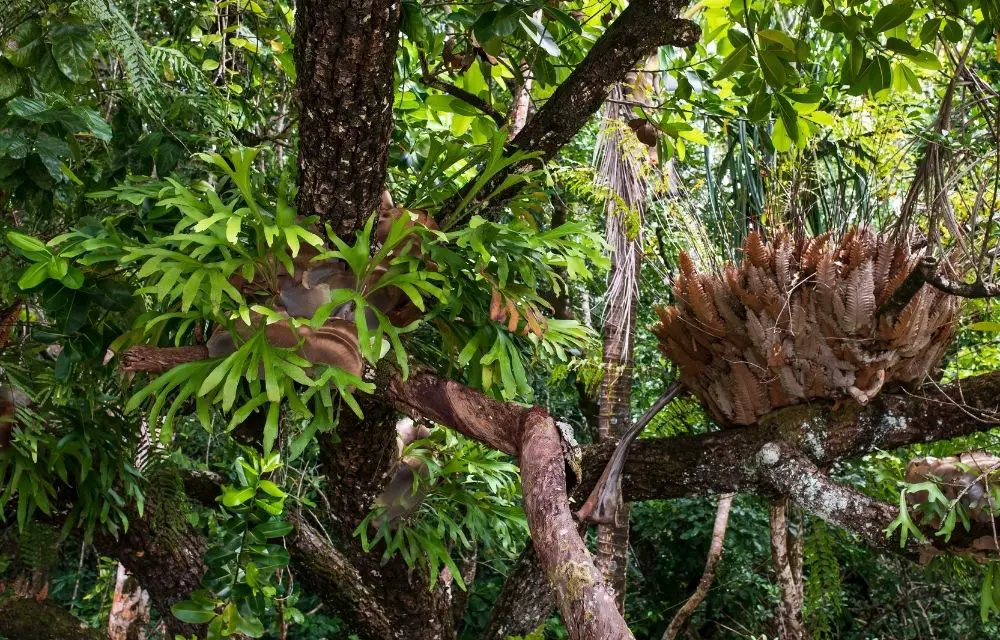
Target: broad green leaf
33,276
73,49
193,613
892,15
732,63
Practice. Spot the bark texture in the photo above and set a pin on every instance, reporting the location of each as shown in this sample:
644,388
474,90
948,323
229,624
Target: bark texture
789,614
613,419
344,55
708,576
168,565
525,600
585,601
26,618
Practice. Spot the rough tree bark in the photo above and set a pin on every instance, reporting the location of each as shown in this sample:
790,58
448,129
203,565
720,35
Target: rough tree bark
524,602
344,56
168,565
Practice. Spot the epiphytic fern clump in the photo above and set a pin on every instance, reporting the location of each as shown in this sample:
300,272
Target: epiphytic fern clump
798,320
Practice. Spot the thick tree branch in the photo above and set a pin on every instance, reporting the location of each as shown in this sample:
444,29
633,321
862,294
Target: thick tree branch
326,570
168,564
524,602
792,474
586,602
714,463
643,26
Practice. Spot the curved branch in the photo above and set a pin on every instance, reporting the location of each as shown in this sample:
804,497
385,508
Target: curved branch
708,576
585,601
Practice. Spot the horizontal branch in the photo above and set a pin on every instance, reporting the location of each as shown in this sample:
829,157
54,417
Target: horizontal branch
466,97
159,359
792,474
718,462
715,463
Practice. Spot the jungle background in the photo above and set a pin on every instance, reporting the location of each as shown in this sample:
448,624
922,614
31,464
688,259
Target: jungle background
119,119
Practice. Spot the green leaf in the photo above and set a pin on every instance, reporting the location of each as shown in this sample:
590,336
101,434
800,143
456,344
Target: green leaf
271,489
892,15
901,46
12,80
33,276
732,63
773,68
73,49
271,427
984,326
192,612
777,37
929,31
779,137
232,497
23,47
27,243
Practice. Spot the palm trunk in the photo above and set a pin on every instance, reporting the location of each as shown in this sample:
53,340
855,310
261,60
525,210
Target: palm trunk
621,171
614,413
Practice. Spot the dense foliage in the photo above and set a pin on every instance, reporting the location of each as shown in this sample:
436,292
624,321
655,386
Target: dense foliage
148,197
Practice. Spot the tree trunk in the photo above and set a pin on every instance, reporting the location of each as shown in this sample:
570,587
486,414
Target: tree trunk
129,614
620,171
168,564
344,55
614,416
525,601
789,613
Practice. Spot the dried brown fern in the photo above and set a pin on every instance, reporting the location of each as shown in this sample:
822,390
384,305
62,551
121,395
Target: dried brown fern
796,321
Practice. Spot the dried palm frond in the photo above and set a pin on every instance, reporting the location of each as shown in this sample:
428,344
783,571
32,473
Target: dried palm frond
797,320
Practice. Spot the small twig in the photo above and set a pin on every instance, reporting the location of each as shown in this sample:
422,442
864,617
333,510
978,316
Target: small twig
432,80
708,576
